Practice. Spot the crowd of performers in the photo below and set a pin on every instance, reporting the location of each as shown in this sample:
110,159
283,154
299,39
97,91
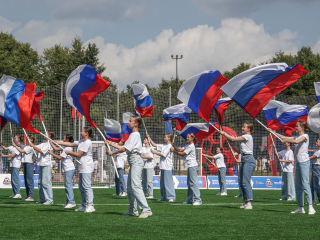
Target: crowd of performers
140,160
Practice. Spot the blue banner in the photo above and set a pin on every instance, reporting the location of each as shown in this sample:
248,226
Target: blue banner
22,183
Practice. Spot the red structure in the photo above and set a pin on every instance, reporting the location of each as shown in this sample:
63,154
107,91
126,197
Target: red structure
209,147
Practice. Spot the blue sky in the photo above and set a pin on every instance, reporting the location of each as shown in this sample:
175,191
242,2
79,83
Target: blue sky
137,37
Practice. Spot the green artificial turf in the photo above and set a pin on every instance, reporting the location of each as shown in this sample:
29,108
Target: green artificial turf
218,217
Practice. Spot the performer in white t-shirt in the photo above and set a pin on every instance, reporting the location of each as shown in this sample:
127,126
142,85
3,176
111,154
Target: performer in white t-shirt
68,169
219,158
119,181
133,147
28,165
84,155
166,162
190,160
286,158
248,163
16,164
45,171
302,165
315,177
147,171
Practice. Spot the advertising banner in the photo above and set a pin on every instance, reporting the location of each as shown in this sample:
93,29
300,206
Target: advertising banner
5,180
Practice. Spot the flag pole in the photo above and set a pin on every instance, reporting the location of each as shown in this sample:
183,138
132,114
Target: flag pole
34,152
11,131
267,129
114,165
213,164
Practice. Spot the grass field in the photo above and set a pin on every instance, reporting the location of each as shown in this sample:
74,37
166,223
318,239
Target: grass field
218,217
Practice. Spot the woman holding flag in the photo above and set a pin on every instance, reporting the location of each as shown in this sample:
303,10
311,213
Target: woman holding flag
190,162
248,163
302,165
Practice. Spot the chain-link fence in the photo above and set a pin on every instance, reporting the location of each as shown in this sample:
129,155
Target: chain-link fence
56,113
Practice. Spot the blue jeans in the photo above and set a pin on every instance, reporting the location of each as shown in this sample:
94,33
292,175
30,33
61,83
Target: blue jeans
68,175
239,176
135,193
45,185
147,184
120,184
248,164
314,183
15,180
85,189
222,179
167,186
193,186
288,191
302,183
28,178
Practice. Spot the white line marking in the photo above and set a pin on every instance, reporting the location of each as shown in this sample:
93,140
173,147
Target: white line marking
159,204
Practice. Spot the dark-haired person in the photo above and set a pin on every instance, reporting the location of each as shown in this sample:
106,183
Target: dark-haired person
190,161
302,165
84,154
248,163
166,162
27,161
133,147
286,158
68,168
147,171
16,164
44,161
219,158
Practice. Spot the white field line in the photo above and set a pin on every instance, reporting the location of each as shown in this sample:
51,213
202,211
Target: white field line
164,204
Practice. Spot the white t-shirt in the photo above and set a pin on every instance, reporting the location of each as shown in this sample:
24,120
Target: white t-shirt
166,160
86,160
16,161
316,161
301,149
27,156
119,159
67,161
287,155
219,160
190,159
44,158
148,163
246,147
133,143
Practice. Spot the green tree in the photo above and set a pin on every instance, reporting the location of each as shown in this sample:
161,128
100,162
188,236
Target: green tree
18,59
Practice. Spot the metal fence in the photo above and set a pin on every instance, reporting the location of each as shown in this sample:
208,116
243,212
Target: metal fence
56,113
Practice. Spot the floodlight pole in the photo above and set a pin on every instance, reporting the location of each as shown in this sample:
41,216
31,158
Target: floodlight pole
176,58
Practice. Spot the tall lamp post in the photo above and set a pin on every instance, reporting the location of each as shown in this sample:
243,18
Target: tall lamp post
176,58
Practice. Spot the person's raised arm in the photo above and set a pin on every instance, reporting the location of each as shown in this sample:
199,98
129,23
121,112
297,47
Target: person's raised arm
179,152
18,148
9,155
208,156
67,144
146,157
233,139
75,154
152,143
35,147
112,144
292,140
176,148
55,147
55,155
4,148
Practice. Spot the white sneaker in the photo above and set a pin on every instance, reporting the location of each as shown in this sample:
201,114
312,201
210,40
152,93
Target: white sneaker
247,207
17,196
12,195
130,214
170,200
70,205
187,203
218,194
29,199
239,195
299,210
47,203
196,203
311,210
149,197
242,206
224,194
80,209
25,198
145,214
124,194
89,209
318,204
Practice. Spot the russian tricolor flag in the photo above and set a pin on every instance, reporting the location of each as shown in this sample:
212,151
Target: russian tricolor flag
180,113
270,113
126,131
143,104
16,99
254,88
82,86
112,130
221,106
202,91
200,130
317,89
3,123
